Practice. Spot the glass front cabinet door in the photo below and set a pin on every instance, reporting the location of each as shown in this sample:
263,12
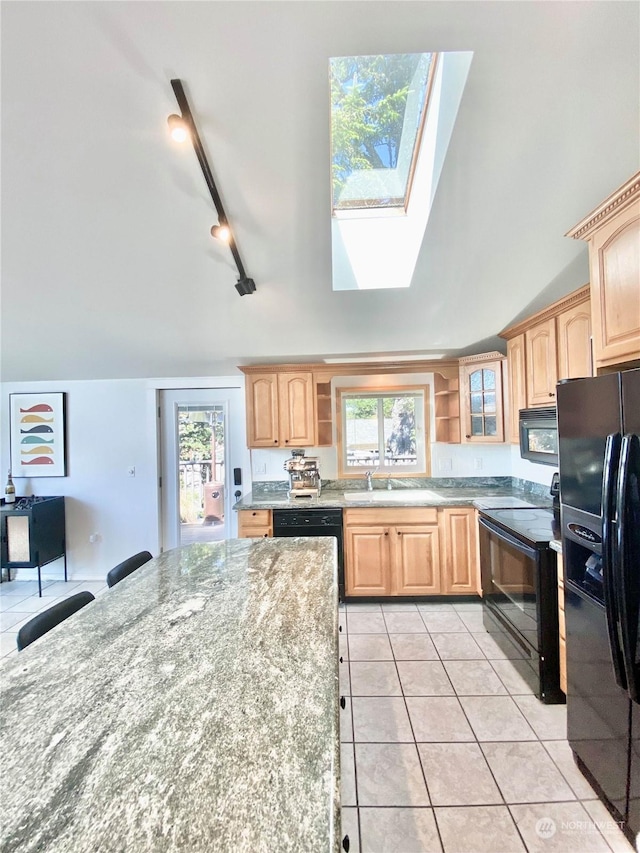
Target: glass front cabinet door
481,387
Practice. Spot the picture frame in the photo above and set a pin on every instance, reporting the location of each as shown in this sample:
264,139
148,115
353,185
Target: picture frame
37,434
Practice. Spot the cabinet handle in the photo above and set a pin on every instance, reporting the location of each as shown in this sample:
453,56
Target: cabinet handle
467,436
286,441
386,533
551,394
399,532
343,703
253,513
275,440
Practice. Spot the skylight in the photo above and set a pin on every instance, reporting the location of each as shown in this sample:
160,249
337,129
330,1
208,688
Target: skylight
392,118
378,104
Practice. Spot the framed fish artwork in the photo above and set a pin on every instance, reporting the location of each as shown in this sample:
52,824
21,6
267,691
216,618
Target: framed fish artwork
37,424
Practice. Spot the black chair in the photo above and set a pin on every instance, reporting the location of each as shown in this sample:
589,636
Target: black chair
51,617
128,566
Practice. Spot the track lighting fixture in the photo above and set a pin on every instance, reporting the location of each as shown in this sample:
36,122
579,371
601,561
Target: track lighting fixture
177,128
222,231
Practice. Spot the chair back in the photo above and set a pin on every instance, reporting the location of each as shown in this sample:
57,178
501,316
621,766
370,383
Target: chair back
51,617
126,567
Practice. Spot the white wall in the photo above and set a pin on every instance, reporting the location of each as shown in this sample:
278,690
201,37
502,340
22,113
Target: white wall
111,425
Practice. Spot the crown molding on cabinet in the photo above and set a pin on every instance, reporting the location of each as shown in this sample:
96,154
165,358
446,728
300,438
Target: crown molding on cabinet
577,297
618,200
325,372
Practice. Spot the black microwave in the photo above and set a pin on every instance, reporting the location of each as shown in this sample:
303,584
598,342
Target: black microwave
539,435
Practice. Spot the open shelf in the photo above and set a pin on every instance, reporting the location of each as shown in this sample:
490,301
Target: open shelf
447,409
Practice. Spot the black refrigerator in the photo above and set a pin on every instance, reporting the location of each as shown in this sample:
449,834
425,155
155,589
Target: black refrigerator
599,460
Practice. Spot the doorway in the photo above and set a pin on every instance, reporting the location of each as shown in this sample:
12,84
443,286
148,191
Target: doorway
202,443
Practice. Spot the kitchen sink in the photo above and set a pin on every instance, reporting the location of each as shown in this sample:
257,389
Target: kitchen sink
392,496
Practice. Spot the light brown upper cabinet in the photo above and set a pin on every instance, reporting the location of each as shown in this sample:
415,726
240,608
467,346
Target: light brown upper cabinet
481,404
613,233
540,359
280,410
517,384
551,345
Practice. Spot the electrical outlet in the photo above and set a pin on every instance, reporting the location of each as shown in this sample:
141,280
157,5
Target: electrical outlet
260,468
445,465
94,537
131,471
477,463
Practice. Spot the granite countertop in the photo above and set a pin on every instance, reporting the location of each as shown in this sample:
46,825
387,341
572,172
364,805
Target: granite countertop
451,496
192,707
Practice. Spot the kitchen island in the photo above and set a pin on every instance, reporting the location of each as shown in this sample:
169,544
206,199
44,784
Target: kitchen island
193,707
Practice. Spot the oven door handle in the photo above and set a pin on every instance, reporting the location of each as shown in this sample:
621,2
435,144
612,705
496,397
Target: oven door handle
506,537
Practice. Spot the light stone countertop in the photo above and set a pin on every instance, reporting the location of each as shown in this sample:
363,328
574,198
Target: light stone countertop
193,707
433,497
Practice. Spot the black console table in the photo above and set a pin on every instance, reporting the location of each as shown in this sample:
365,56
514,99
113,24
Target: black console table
32,534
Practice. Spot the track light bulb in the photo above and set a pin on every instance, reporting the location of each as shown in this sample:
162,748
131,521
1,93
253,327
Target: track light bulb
177,128
221,232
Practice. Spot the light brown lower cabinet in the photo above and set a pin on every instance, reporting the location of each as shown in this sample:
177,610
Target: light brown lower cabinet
254,524
411,551
459,556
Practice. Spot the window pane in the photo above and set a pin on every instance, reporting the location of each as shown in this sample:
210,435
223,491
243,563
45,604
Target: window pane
490,426
475,380
400,431
489,379
489,401
377,106
361,431
476,425
476,402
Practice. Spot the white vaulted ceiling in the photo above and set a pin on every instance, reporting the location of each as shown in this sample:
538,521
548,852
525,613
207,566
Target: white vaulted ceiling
108,268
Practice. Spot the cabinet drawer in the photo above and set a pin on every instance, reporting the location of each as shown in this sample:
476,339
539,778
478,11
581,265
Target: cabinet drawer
392,515
254,517
255,532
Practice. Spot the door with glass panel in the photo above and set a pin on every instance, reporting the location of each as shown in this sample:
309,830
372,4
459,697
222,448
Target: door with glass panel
481,387
202,443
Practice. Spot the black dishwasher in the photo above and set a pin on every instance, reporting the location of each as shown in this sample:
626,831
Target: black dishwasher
312,521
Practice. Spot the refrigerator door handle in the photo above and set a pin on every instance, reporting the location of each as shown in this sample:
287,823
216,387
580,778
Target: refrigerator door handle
609,554
628,557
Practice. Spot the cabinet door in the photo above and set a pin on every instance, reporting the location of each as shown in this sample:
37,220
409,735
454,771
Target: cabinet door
459,543
482,402
517,385
262,410
367,566
574,342
416,560
297,418
541,364
614,256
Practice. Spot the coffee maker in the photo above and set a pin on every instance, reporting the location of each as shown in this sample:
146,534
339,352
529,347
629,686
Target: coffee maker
304,475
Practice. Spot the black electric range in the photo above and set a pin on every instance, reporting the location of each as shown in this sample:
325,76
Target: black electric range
531,524
520,590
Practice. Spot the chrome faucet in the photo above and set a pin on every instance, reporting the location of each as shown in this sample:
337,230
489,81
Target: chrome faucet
368,475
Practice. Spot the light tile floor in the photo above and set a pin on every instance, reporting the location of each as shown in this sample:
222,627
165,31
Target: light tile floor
19,602
445,747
